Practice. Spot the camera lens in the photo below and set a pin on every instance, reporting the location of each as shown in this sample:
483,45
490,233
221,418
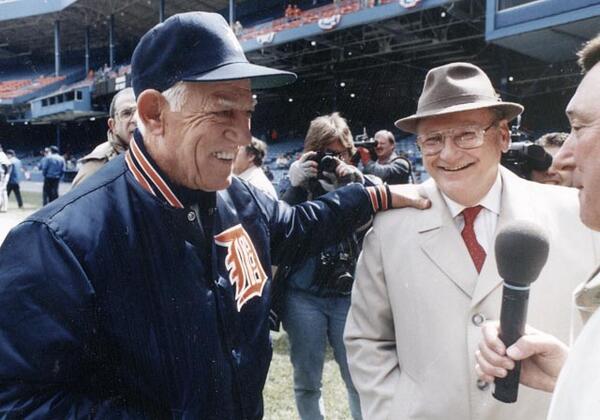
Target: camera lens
328,164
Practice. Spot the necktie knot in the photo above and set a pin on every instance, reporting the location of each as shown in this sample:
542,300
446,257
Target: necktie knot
470,213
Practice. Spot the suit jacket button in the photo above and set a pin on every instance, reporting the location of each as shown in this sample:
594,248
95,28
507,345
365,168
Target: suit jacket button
191,216
482,385
478,319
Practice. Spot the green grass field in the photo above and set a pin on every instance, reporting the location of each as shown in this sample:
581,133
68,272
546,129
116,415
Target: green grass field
279,390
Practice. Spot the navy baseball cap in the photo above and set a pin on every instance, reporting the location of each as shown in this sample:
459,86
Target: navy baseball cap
196,47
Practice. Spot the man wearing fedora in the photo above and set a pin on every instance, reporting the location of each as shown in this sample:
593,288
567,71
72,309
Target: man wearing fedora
145,292
426,281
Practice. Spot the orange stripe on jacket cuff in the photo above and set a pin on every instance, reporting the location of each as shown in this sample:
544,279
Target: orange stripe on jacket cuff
373,197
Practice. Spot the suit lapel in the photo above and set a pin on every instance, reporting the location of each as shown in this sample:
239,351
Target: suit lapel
440,240
514,206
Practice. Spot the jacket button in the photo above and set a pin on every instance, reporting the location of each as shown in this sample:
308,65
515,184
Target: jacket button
191,216
482,385
478,319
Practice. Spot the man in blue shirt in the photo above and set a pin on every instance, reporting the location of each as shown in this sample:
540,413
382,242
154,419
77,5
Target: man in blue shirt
15,177
53,168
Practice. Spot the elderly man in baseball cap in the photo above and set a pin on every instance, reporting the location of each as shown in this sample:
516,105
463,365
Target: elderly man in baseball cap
145,292
427,280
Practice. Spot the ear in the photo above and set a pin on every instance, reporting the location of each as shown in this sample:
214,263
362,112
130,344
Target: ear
111,124
505,135
151,107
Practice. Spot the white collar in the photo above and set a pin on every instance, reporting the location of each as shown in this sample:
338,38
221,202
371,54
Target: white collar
491,201
248,172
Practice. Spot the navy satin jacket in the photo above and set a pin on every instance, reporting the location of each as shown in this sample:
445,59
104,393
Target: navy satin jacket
124,299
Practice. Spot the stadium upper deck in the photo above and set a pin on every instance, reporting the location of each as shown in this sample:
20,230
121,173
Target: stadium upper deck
362,57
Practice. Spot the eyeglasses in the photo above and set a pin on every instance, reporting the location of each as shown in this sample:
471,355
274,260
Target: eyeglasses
127,113
467,137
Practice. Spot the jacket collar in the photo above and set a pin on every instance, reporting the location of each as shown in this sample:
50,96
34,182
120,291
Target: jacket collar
441,240
149,175
115,142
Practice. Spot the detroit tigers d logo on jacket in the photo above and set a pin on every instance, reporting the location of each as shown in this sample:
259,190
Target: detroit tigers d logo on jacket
245,271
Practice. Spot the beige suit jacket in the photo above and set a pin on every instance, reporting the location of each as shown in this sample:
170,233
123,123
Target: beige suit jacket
94,161
418,303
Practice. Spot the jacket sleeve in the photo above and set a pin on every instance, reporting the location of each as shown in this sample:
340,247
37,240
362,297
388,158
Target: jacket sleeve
47,328
398,169
43,165
306,228
369,335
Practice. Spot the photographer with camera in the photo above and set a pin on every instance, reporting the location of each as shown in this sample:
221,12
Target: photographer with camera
379,158
524,158
314,295
535,161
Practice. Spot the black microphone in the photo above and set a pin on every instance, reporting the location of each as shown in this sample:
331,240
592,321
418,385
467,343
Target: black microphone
521,253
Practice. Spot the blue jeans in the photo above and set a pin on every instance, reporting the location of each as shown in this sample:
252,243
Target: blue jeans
309,321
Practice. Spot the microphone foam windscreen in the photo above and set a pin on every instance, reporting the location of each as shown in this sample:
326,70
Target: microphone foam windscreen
521,252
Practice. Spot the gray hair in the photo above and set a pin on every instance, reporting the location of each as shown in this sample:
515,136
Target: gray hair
552,140
111,110
589,55
175,97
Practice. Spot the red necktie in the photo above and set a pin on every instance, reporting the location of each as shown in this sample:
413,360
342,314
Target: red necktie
468,234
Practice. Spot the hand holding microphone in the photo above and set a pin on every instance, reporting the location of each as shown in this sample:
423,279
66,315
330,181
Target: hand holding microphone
521,253
541,355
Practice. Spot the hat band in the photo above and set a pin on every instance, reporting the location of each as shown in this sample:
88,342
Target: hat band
440,104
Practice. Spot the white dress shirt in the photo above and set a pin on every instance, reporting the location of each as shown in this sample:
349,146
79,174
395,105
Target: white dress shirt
486,220
255,176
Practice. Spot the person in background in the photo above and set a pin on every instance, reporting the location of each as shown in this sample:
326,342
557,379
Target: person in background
557,173
15,177
5,170
313,297
248,166
121,125
238,28
53,168
390,167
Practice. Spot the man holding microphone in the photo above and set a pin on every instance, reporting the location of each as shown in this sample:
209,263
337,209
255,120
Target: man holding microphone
546,362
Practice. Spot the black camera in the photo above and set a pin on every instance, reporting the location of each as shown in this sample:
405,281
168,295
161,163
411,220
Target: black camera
326,162
362,140
524,157
336,267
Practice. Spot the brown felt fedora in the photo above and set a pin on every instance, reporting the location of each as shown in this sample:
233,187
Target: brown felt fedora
456,87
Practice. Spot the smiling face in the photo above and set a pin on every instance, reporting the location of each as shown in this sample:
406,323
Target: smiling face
583,142
466,175
197,144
